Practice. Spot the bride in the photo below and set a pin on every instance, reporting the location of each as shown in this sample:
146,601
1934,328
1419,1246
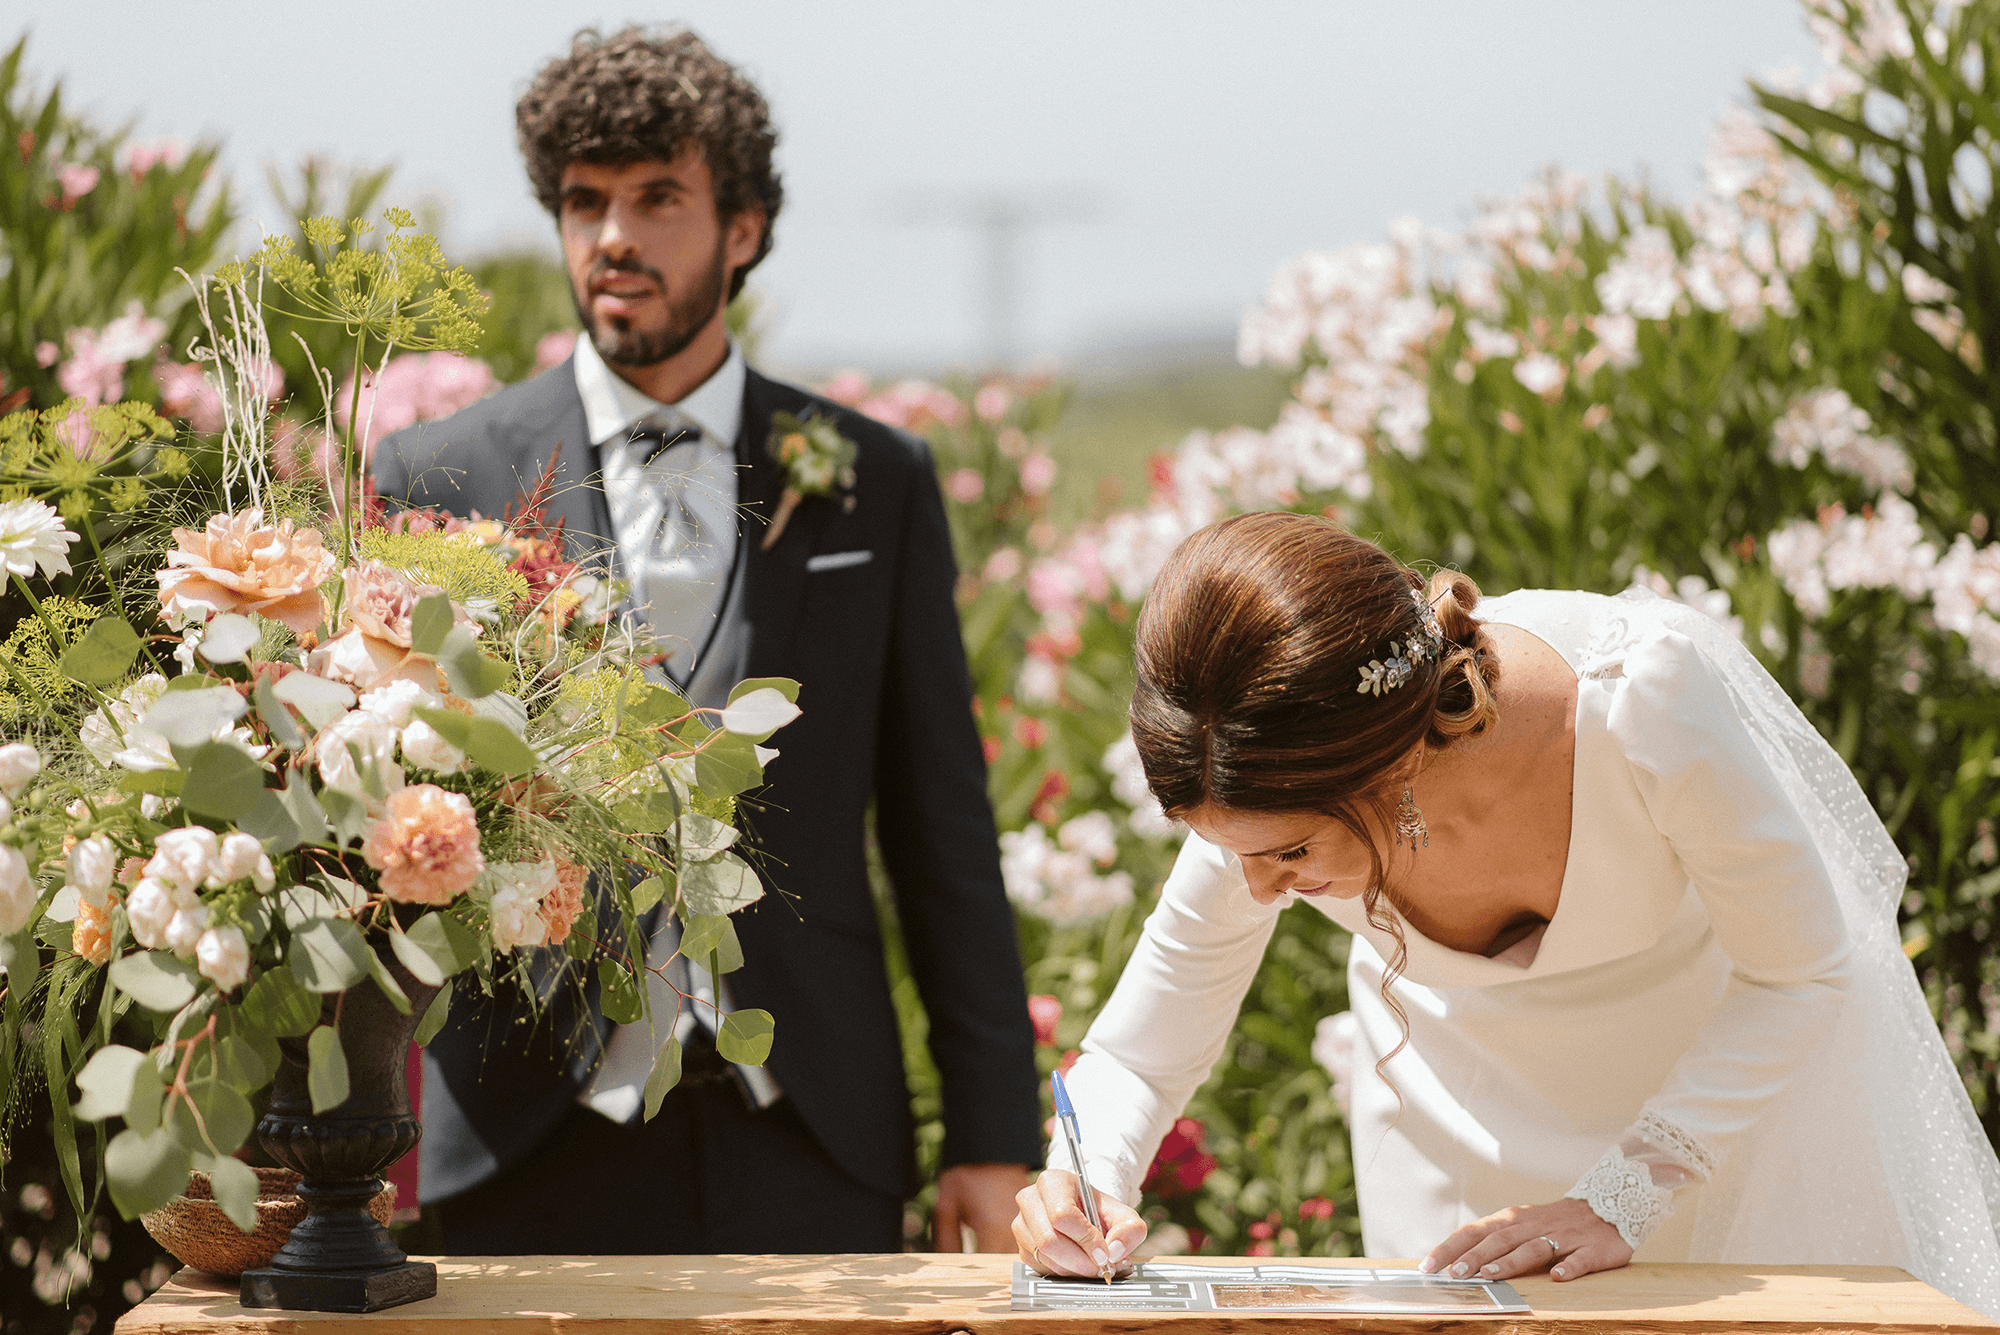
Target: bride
1625,958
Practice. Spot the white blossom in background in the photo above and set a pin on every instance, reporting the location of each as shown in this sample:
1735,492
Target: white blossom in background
18,891
1885,549
1827,423
1644,280
1128,785
1965,594
1694,591
1058,879
1333,1049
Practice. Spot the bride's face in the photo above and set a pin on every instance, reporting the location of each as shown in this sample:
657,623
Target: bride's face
1298,852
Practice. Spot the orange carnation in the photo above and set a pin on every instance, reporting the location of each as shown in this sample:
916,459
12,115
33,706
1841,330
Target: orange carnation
426,846
561,905
90,936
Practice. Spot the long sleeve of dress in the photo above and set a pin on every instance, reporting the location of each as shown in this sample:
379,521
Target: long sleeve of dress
1167,1020
1751,859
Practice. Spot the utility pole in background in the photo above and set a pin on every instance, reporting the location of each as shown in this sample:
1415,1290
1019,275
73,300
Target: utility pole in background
1001,219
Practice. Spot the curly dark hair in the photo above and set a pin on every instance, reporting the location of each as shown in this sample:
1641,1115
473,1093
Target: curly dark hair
635,96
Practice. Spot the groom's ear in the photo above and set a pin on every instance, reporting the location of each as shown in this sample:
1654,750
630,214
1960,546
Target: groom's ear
742,240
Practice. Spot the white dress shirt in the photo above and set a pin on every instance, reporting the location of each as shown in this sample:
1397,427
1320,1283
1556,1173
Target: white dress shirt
706,656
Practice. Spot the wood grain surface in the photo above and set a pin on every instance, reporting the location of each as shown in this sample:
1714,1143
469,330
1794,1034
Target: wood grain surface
911,1293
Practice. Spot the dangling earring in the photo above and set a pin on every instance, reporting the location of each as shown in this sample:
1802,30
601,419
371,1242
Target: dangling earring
1410,823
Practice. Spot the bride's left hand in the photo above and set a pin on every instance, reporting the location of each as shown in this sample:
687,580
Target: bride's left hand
1517,1241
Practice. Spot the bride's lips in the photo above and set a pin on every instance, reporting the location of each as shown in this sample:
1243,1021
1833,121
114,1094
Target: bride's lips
1319,889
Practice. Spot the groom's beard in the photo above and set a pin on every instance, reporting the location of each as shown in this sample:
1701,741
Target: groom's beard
622,345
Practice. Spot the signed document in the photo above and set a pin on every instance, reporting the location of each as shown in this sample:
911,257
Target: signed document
1181,1287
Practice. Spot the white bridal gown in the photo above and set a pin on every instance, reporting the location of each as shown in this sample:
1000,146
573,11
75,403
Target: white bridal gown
1720,1004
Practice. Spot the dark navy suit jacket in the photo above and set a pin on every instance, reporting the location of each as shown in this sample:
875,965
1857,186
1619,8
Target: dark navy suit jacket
876,648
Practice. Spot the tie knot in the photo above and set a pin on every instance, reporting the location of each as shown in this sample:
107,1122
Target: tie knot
656,435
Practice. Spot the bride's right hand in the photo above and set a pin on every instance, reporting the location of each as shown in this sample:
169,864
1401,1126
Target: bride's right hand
1055,1237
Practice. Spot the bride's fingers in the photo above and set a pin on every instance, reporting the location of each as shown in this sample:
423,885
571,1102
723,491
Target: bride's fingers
1042,1245
1535,1254
1590,1258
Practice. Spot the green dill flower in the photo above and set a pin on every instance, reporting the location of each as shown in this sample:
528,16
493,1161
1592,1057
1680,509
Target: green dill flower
32,678
467,570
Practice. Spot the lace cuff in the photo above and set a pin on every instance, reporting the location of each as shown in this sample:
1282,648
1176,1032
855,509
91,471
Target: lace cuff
1622,1193
1677,1143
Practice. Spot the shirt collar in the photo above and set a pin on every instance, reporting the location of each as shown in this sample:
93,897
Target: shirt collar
612,406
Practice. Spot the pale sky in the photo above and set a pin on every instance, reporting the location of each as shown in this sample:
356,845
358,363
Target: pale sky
1195,147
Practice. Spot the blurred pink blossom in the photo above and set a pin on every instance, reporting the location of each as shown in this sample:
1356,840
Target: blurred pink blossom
992,402
185,392
965,485
849,387
142,158
914,405
46,353
553,349
77,180
416,387
1038,473
95,371
1045,1012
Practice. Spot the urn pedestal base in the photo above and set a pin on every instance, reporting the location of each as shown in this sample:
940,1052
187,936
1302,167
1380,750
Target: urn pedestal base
340,1290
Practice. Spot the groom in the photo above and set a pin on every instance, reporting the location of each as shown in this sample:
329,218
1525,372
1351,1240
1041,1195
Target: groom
654,156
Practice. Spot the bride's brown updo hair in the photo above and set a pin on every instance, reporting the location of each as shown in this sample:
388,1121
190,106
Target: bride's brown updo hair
1251,647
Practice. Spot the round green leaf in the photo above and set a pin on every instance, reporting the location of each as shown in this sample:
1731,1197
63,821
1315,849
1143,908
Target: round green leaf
155,979
146,1170
104,654
328,955
746,1037
326,1072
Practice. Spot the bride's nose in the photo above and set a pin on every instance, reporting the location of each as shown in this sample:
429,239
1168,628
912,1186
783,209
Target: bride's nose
1267,883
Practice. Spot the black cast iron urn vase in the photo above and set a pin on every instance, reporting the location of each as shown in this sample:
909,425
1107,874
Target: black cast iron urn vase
339,1259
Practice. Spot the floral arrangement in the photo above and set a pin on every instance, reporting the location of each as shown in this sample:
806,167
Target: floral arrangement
818,461
301,746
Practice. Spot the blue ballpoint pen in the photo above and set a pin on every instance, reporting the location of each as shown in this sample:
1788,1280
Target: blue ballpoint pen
1066,1114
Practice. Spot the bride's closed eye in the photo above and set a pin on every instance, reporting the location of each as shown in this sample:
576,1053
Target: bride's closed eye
1292,855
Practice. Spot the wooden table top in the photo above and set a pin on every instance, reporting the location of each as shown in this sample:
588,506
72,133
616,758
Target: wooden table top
835,1295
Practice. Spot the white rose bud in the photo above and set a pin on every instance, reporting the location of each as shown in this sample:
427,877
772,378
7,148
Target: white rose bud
223,957
19,763
17,889
92,864
516,919
426,748
185,928
264,877
184,858
151,805
237,859
150,908
394,701
6,811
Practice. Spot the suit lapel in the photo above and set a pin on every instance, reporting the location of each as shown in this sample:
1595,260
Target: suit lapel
774,581
577,490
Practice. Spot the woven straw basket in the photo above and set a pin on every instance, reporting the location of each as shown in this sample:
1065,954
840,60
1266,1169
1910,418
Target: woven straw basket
194,1229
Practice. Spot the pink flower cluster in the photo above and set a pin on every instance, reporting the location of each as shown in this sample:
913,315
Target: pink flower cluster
1058,879
913,405
185,392
416,387
95,370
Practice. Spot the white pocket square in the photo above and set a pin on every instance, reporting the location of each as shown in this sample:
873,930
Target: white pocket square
836,561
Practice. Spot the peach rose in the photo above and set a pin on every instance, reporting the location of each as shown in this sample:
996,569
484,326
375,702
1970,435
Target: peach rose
90,937
358,659
561,905
426,846
241,564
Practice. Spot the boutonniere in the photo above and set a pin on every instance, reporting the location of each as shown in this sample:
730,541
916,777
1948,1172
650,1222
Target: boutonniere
818,461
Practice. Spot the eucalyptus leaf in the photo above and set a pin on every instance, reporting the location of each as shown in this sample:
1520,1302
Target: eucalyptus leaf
234,1186
745,1037
387,982
223,782
655,704
415,958
159,782
326,1070
492,745
228,638
226,1117
648,893
145,1170
106,1082
328,955
320,700
239,1063
270,821
155,979
784,686
728,765
471,673
276,717
703,836
435,1017
758,714
449,943
728,954
699,936
149,1091
618,993
648,813
346,813
504,709
192,716
666,1073
430,622
720,885
103,654
280,1004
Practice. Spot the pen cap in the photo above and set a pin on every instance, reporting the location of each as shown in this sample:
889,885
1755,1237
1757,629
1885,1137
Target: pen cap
1063,1107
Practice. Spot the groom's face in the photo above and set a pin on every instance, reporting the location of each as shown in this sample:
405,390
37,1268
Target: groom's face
649,261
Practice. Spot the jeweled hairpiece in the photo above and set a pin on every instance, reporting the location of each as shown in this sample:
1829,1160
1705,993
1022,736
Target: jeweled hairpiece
1386,674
